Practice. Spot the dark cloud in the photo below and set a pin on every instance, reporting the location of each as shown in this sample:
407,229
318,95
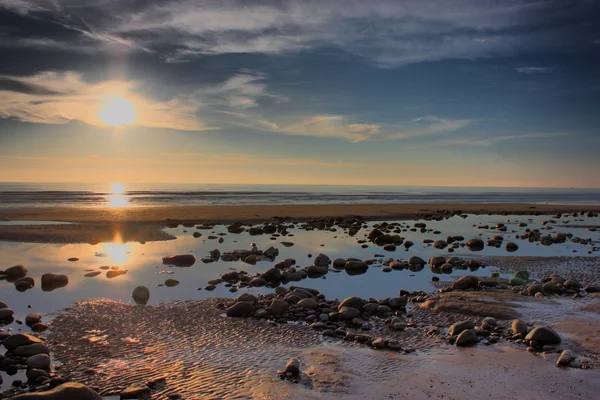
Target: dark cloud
12,85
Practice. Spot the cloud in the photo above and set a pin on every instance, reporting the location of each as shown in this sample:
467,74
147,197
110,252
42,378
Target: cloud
535,70
491,141
57,98
338,127
386,32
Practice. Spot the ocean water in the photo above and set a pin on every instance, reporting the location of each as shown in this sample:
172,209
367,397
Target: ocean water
106,194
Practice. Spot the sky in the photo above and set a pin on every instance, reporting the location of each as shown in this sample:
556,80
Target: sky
443,93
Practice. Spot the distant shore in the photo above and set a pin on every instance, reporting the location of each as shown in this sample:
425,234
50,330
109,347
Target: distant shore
146,223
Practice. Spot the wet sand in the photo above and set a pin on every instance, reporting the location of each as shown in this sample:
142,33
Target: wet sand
145,223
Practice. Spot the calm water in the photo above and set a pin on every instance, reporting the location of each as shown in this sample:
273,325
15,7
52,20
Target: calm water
95,194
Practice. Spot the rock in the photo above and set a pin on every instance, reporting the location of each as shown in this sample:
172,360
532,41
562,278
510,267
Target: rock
292,367
92,274
39,327
51,282
278,307
398,302
524,275
322,261
534,288
141,295
25,283
398,326
440,244
457,328
415,261
467,338
348,313
215,254
543,336
356,267
273,276
66,391
551,287
20,339
240,309
515,281
339,263
34,374
354,302
247,297
135,392
30,350
519,327
510,246
171,282
182,260
475,244
572,284
33,318
567,358
308,303
17,271
466,282
39,361
389,247
6,314
379,343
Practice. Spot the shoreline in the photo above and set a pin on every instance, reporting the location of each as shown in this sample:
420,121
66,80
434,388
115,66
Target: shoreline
92,225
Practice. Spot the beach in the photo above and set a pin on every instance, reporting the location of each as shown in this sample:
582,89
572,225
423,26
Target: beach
135,289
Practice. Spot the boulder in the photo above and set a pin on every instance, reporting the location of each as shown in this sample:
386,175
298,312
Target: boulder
247,297
51,282
240,309
278,307
414,261
457,328
141,295
273,276
348,313
6,314
39,361
467,338
308,303
182,260
543,336
354,302
475,244
519,327
466,282
356,267
322,261
15,272
292,367
31,350
33,318
66,391
20,339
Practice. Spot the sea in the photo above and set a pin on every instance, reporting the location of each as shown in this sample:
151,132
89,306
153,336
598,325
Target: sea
173,194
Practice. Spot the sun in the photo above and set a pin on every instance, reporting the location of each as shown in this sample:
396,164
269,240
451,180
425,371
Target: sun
117,111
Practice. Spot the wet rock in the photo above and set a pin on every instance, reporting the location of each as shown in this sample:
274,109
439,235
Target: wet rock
247,297
273,276
182,260
457,328
240,309
440,244
416,261
398,302
354,302
34,374
292,368
511,246
30,350
92,274
33,318
534,288
519,327
171,282
141,295
467,338
389,247
379,343
39,361
567,358
66,391
339,263
543,335
475,244
308,303
51,282
39,327
6,314
135,392
114,273
17,271
20,339
25,283
278,307
551,287
466,282
322,261
572,284
348,313
356,267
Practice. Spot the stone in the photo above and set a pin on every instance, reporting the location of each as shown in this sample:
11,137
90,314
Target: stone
6,314
322,261
292,367
171,282
466,338
39,327
398,302
66,391
247,297
20,339
272,275
566,358
475,244
519,327
356,266
379,343
278,307
34,374
543,336
339,263
39,361
524,275
354,302
240,309
534,288
51,282
308,303
182,260
516,281
141,295
440,244
135,392
414,261
25,283
466,282
459,327
511,246
31,350
572,284
348,313
17,271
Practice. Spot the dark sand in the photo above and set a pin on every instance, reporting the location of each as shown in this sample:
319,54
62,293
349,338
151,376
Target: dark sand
145,223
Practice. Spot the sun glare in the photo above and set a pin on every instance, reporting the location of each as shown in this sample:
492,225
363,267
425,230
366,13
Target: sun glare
117,111
117,197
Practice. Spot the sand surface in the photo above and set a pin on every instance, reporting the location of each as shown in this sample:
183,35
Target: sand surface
145,223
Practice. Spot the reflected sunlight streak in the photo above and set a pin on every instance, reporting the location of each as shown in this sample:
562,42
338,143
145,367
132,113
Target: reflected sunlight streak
117,198
118,251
